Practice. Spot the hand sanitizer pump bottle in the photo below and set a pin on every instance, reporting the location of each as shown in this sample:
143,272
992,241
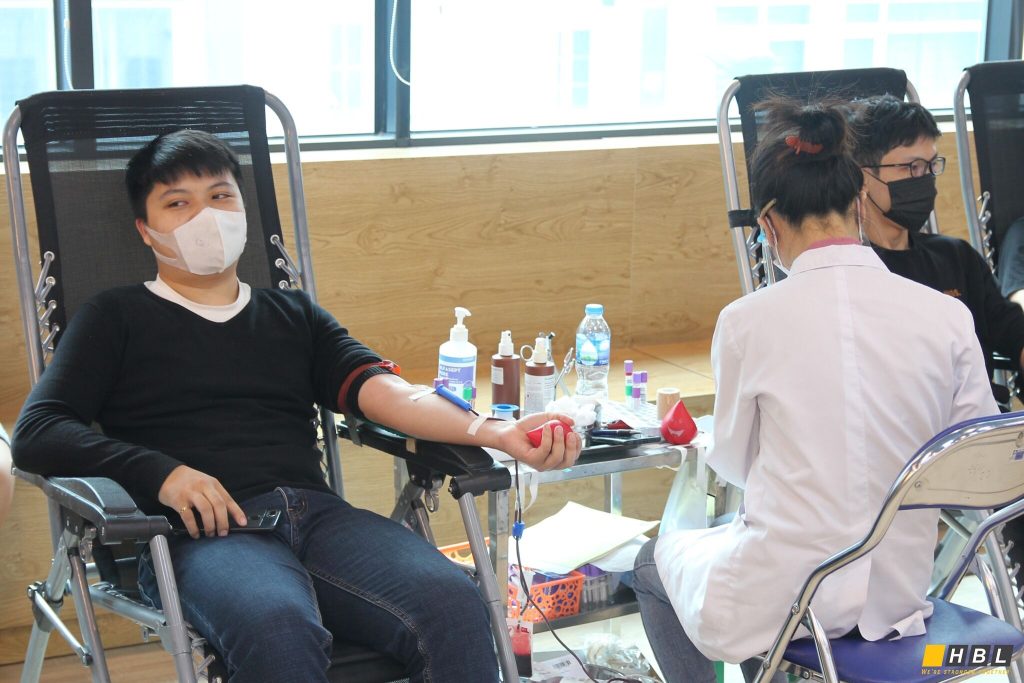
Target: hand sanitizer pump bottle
456,359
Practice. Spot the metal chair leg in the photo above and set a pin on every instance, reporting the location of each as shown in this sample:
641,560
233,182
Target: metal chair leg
489,589
46,612
821,644
1001,595
950,548
32,668
180,646
87,617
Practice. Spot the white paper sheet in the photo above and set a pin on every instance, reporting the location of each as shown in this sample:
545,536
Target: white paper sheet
621,559
575,536
563,668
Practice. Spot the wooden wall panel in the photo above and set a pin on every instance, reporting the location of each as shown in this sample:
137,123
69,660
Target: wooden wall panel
683,263
522,240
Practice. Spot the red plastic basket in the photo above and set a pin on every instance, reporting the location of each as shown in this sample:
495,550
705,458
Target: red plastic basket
556,598
461,553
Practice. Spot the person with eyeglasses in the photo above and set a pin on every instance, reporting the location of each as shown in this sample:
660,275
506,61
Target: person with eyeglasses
826,383
895,146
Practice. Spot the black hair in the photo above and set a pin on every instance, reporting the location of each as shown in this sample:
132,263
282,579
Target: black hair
884,123
166,157
803,160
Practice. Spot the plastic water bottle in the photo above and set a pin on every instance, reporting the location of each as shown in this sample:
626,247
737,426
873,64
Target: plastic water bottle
593,352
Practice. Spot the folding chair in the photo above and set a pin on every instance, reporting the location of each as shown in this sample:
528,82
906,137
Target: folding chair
996,90
974,466
77,144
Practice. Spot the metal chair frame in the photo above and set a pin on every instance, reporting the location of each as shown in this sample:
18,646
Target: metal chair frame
967,467
975,201
88,511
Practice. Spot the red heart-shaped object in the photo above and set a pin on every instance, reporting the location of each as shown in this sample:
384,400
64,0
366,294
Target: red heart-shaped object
678,427
534,435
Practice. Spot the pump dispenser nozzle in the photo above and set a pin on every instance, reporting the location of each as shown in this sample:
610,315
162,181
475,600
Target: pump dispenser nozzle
459,332
541,350
505,347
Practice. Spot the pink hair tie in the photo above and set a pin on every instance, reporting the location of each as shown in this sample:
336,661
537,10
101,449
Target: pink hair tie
799,145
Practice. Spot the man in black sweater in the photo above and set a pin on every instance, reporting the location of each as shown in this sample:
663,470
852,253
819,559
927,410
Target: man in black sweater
205,389
895,146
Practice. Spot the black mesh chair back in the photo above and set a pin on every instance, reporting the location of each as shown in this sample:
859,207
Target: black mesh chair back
752,258
996,91
810,86
78,144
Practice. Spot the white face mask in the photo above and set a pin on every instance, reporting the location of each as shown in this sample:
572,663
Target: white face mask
207,244
777,262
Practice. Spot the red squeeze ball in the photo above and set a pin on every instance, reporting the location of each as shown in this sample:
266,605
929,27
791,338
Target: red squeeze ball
678,427
534,435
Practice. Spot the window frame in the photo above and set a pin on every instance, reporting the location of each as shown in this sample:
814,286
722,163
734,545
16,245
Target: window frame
1004,34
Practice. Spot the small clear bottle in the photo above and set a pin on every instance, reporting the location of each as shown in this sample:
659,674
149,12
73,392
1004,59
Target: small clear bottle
593,353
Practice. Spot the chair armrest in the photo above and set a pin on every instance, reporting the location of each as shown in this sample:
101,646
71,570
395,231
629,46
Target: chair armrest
472,470
1001,362
103,503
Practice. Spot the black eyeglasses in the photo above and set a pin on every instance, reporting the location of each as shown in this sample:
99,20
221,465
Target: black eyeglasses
918,167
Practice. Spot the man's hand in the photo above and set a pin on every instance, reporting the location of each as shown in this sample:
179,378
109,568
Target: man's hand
190,491
557,449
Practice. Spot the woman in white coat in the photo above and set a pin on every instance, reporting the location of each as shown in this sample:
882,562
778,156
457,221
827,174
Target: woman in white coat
826,384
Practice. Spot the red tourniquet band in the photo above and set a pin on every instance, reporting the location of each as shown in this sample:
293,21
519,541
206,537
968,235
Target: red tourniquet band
386,365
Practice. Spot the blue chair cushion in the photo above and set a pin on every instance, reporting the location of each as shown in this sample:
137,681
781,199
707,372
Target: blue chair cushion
886,661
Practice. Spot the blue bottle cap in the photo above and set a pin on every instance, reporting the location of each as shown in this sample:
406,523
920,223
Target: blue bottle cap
594,309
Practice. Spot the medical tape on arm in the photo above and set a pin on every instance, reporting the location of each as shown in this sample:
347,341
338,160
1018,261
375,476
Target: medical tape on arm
474,426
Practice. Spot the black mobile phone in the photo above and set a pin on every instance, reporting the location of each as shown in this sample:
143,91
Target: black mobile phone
261,520
258,522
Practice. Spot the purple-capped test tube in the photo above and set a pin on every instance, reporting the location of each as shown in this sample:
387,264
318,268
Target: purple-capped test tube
628,366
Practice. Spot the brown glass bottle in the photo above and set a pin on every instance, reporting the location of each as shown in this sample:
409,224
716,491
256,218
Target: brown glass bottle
505,372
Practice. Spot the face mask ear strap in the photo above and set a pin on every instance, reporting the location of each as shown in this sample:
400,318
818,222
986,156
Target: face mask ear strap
775,235
860,221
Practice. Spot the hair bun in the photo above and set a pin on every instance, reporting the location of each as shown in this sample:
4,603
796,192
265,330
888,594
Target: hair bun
802,160
820,126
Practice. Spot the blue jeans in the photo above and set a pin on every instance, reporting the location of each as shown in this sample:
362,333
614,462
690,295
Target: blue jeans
272,603
678,657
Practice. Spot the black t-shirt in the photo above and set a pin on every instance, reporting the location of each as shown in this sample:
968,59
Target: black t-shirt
953,267
168,387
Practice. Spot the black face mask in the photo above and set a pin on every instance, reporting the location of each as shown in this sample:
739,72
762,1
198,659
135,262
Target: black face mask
911,201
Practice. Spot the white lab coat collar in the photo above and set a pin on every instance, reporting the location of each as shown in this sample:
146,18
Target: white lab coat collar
836,255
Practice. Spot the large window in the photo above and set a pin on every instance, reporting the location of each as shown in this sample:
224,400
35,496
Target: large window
540,63
26,50
495,69
316,55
